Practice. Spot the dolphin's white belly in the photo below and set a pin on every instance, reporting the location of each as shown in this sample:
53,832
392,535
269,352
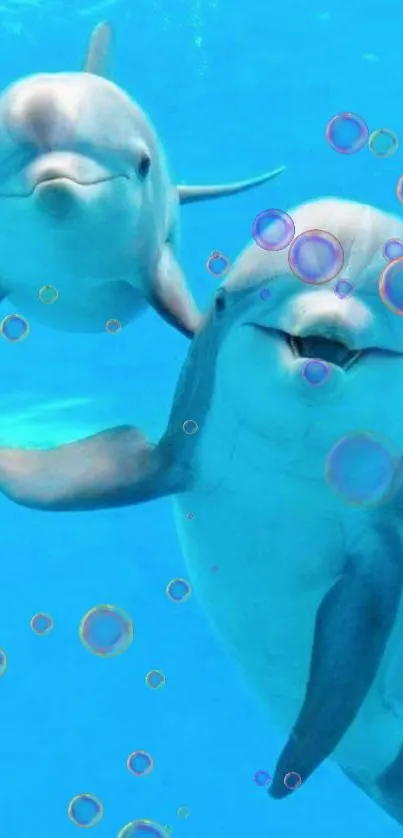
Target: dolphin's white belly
261,559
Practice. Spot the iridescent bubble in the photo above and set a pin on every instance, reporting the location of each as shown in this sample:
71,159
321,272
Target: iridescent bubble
3,662
178,590
48,294
106,630
262,778
383,142
140,763
393,249
265,294
273,229
113,326
190,427
41,623
347,133
292,780
391,286
343,288
316,257
217,264
143,828
85,810
316,372
364,468
155,679
14,328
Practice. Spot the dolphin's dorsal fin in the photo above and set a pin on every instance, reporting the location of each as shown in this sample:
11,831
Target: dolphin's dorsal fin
189,194
97,60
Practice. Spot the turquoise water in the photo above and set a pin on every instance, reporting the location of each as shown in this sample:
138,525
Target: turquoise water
233,91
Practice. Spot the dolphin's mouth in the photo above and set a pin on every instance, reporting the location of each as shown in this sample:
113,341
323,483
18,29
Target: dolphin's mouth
326,349
50,177
332,350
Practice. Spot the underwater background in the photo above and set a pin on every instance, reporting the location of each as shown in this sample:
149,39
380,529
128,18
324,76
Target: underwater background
233,90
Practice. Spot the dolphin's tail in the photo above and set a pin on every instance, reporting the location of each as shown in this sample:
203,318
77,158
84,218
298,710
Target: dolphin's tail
189,194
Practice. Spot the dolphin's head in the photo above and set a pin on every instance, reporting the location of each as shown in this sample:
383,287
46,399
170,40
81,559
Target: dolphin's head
75,151
279,323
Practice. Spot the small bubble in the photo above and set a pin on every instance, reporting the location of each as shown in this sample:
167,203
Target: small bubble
316,372
215,568
347,133
178,590
316,257
155,679
265,294
273,229
106,631
113,327
190,516
183,812
41,623
363,468
262,778
3,662
391,286
48,294
190,427
85,810
217,264
140,763
144,828
343,289
383,142
292,780
14,328
393,249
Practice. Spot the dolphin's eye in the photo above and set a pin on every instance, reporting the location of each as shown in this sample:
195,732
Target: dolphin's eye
143,167
220,302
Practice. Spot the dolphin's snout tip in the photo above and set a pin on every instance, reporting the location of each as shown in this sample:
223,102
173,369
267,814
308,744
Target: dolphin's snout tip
55,197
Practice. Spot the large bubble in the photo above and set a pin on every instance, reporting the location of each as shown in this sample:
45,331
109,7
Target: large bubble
391,286
140,763
85,810
143,828
383,142
347,133
178,590
106,630
41,623
273,229
316,257
364,468
14,328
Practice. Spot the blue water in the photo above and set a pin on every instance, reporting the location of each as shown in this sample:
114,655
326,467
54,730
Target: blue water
233,89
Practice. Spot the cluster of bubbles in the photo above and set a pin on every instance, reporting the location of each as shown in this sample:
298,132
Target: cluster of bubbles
348,133
292,780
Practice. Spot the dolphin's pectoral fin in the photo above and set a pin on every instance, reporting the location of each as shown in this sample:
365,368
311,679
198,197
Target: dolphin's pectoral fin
117,467
353,624
170,296
99,50
190,194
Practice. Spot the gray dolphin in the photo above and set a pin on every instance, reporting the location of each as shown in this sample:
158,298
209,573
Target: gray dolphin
308,594
87,204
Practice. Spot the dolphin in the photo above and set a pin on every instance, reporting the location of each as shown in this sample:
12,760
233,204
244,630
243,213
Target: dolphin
87,205
309,590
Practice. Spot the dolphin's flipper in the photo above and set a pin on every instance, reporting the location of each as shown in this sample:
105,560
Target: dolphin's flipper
117,467
190,194
99,50
353,624
170,296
